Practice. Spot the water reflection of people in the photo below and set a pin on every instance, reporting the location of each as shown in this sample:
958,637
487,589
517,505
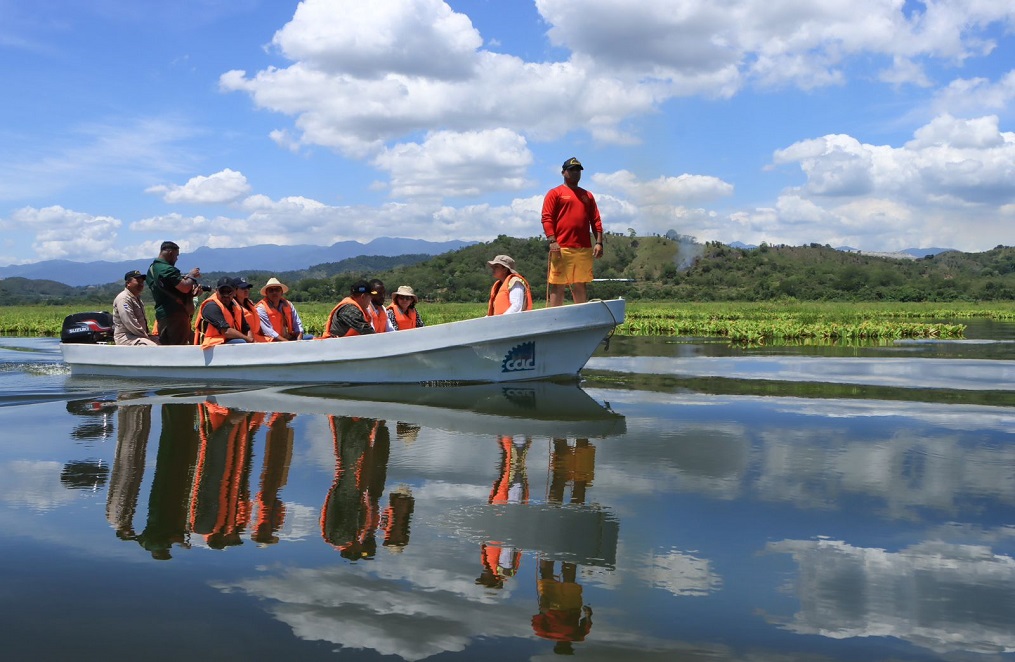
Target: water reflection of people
220,506
133,426
278,453
501,560
174,465
563,615
350,516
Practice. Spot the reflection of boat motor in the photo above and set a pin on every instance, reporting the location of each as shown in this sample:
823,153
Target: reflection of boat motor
94,327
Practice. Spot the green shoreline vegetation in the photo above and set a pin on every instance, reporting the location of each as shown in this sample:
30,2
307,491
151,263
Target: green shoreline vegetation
740,322
674,287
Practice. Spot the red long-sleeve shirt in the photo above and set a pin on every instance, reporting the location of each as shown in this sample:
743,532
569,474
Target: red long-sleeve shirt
571,216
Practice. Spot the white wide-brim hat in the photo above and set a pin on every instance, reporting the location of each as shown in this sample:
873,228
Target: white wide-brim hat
273,282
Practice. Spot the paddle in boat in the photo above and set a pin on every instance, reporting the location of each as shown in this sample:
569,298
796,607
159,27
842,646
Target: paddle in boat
538,344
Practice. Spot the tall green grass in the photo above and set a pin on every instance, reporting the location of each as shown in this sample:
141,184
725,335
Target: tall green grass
750,322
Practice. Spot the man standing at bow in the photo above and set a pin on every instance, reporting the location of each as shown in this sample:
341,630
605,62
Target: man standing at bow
570,217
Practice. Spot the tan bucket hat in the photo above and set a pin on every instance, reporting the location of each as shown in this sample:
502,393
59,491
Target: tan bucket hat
405,291
273,282
504,261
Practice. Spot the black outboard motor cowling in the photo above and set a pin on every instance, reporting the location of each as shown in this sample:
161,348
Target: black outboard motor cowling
92,327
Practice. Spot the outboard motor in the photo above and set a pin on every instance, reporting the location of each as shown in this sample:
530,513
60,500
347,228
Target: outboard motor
92,328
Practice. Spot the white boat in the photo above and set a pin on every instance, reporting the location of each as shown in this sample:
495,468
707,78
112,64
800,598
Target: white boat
538,344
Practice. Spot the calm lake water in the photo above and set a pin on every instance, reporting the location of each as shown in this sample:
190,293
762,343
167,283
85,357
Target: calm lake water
688,501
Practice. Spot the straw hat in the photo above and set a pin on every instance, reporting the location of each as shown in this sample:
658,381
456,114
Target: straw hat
405,291
504,261
273,282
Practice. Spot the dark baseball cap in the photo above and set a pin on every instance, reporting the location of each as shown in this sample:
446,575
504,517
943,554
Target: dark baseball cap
226,281
361,287
241,284
572,163
133,274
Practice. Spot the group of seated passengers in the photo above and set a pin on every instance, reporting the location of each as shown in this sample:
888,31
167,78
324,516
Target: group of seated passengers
230,316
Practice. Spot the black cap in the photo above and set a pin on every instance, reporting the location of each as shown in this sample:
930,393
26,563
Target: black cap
572,163
169,246
361,287
241,283
133,274
225,281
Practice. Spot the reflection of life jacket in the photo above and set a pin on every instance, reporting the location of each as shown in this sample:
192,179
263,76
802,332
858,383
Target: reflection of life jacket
253,321
405,320
278,451
331,318
207,335
500,298
351,514
395,518
281,320
220,506
378,318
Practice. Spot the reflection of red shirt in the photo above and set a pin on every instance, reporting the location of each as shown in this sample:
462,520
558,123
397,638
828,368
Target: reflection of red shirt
570,215
559,625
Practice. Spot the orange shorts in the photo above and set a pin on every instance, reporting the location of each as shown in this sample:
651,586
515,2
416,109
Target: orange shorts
571,265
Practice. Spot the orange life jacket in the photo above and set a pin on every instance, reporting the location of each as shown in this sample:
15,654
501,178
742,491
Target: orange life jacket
254,321
331,318
282,322
205,334
500,299
403,321
378,318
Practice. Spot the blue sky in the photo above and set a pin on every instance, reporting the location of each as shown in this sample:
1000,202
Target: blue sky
878,124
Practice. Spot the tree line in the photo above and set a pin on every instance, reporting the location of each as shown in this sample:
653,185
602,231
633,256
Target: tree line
657,268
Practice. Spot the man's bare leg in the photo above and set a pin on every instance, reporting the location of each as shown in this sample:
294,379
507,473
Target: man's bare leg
556,295
579,293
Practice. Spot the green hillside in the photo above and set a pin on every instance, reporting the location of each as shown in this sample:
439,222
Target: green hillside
650,268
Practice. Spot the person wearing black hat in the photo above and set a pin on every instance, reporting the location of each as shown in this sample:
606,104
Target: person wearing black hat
250,311
174,295
351,317
130,324
220,319
570,218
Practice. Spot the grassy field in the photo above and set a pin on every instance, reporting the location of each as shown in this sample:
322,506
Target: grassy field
748,322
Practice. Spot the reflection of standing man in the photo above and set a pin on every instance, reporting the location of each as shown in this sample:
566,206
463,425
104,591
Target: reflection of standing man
174,296
501,561
570,216
174,467
563,616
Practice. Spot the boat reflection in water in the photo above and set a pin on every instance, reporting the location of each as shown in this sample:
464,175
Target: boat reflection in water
210,446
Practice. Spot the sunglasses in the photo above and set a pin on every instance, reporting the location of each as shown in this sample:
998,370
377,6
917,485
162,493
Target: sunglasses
225,290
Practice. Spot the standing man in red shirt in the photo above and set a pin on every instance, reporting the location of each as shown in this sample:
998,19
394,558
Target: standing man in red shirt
570,218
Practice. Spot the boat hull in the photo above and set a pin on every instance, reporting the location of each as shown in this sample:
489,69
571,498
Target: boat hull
539,344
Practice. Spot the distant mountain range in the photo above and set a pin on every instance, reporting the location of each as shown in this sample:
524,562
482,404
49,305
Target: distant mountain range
266,257
905,254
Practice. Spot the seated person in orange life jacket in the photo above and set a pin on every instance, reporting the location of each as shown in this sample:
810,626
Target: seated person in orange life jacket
510,292
402,312
351,317
378,315
279,319
251,312
220,319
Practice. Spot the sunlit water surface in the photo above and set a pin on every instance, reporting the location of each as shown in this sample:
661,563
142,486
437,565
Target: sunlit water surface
689,501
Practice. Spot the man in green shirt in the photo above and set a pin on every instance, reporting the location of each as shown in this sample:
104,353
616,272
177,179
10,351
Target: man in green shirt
174,294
